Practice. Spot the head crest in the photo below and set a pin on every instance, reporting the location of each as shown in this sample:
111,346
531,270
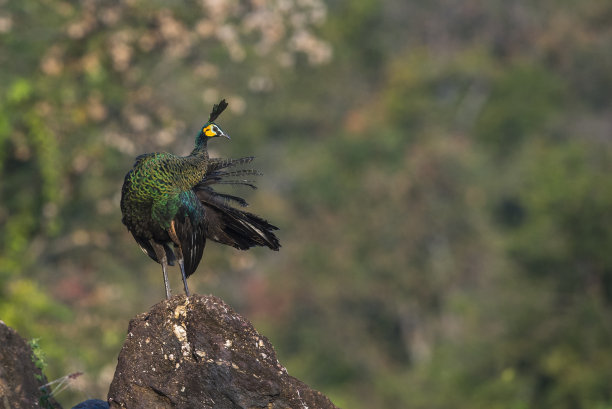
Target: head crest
217,110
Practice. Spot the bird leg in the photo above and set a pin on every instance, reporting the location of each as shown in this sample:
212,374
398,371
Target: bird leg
179,254
163,260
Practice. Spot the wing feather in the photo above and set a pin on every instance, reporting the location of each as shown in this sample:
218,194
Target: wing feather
191,231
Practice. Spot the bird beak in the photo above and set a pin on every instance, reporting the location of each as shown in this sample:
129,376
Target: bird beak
226,135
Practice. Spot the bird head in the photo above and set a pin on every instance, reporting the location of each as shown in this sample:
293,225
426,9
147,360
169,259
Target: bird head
211,129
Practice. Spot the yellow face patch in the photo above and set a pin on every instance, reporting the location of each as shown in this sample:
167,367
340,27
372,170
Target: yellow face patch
208,131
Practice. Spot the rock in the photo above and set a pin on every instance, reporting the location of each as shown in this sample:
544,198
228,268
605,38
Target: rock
20,379
197,352
92,404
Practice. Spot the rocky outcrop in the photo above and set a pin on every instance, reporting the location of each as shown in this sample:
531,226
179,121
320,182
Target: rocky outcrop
21,382
197,352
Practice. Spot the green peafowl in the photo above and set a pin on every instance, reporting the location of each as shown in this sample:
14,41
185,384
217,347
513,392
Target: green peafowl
170,207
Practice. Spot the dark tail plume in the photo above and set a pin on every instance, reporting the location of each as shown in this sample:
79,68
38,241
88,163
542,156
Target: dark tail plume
227,224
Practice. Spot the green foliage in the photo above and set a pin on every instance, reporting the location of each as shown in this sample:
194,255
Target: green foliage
40,361
424,93
38,357
521,101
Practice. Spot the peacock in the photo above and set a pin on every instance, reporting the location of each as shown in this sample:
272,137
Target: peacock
169,205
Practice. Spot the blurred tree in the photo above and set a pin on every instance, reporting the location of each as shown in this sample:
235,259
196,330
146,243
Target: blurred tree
441,186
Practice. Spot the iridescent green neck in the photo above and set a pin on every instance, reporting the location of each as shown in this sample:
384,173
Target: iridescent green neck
201,143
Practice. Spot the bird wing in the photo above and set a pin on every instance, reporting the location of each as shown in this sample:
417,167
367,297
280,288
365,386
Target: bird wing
191,231
143,157
147,248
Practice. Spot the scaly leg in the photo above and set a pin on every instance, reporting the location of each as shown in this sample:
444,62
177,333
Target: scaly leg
166,283
179,254
182,265
163,260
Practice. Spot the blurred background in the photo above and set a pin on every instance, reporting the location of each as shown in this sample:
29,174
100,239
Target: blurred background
440,172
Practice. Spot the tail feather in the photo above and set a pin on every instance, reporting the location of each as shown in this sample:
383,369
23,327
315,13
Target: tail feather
226,224
236,173
239,229
218,163
227,199
243,182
